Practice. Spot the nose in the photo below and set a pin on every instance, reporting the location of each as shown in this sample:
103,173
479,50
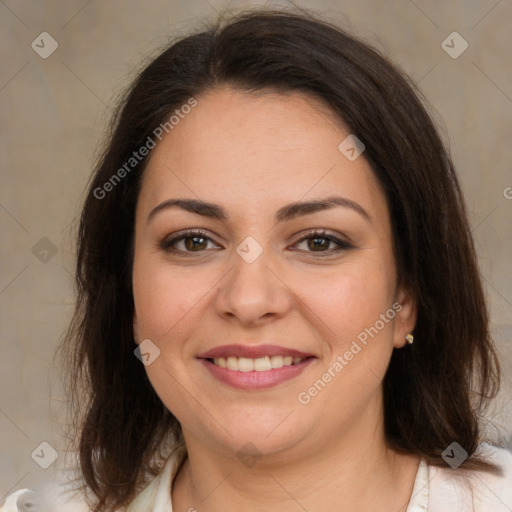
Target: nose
252,293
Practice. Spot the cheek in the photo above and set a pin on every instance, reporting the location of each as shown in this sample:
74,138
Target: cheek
356,315
164,296
167,304
350,299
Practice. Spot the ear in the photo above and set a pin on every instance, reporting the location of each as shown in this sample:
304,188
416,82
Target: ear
406,316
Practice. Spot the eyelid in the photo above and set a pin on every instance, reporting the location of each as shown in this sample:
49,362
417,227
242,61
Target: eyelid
340,241
308,233
167,242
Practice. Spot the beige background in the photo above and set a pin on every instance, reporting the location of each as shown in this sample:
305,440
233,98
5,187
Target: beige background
53,114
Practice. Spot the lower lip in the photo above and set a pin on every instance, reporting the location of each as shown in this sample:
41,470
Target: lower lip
254,379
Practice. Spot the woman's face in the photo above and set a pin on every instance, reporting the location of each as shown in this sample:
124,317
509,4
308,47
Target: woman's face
268,333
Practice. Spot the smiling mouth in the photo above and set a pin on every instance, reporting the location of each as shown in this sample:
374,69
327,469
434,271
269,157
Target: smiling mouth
259,364
255,367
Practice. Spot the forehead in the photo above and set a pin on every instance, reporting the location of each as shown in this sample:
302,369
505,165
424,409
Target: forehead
257,150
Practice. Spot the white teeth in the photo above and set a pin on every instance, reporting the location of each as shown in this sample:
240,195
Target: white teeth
232,363
260,364
245,364
277,361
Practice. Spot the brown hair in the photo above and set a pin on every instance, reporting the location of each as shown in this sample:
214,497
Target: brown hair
434,390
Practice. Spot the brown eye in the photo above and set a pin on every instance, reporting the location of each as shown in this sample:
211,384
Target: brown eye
320,242
191,241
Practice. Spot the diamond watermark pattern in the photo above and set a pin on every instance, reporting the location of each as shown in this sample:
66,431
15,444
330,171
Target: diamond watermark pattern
147,352
249,454
454,45
44,250
351,147
44,455
44,45
454,455
249,249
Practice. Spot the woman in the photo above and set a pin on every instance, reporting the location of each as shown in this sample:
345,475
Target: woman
279,304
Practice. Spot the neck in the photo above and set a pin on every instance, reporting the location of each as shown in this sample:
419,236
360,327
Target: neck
357,470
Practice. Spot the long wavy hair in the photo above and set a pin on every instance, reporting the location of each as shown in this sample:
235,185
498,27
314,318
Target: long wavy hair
435,390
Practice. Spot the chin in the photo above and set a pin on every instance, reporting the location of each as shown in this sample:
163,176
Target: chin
276,434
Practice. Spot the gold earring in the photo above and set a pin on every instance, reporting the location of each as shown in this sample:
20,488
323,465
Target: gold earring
409,338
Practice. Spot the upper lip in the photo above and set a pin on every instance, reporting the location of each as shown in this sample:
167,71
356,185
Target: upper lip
251,351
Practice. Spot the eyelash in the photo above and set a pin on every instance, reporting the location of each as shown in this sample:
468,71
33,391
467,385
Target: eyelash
167,245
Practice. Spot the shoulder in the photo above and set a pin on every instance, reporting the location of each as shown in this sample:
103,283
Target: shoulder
49,499
62,495
59,495
467,490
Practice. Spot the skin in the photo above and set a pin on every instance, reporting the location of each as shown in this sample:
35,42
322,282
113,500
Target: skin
253,154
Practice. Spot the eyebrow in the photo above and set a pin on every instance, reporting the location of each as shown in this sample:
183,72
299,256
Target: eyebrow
286,213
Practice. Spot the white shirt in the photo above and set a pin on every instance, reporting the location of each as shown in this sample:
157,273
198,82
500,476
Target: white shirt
436,489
